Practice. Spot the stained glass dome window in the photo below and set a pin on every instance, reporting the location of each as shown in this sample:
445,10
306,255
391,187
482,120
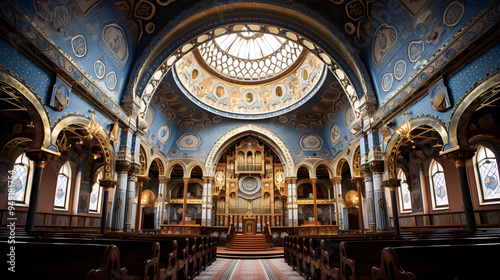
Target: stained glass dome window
439,190
404,193
250,56
488,173
62,187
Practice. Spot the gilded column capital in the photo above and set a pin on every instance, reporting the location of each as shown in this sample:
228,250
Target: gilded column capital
107,183
41,156
123,166
392,183
459,155
377,166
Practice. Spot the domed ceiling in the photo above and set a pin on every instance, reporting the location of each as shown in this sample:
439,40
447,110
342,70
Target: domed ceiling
246,74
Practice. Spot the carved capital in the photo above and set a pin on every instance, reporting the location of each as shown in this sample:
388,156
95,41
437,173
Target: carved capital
41,156
377,166
392,183
142,179
107,183
123,166
459,155
134,169
357,180
366,172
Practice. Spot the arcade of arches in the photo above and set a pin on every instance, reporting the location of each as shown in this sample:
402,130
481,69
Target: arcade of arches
322,116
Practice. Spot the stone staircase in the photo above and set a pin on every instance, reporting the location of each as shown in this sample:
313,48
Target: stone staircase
250,247
246,242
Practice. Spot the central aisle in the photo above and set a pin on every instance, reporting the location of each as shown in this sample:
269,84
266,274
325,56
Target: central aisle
226,269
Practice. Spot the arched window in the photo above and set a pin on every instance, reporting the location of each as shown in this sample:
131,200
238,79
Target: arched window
96,191
404,193
438,186
21,180
63,187
488,173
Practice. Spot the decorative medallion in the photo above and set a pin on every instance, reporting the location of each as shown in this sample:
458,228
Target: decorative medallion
440,98
99,69
387,81
335,134
383,40
311,142
189,141
415,50
111,80
79,45
60,95
399,69
163,133
115,39
249,187
453,13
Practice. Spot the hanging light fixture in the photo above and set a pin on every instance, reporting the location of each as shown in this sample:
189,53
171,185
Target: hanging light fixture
405,130
93,128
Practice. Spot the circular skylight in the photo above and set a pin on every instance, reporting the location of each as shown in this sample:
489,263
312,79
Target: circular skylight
248,56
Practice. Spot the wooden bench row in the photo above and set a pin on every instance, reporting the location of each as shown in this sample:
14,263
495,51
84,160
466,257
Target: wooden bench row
346,257
142,257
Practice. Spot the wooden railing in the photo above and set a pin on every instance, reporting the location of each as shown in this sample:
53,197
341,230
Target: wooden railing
230,236
268,235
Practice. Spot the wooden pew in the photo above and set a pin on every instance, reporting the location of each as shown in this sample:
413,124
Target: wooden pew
358,257
35,260
467,261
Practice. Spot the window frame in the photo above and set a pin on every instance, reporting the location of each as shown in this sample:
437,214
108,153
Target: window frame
97,173
67,174
29,178
433,194
479,179
403,210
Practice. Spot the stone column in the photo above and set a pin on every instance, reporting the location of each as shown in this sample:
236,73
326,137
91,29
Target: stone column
315,206
105,184
162,189
367,175
204,202
76,189
337,184
424,188
130,197
184,201
359,181
140,179
40,157
209,201
295,206
381,212
459,156
393,184
119,201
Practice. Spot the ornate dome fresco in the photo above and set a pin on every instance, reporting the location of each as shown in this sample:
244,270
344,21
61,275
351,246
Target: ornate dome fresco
246,57
249,74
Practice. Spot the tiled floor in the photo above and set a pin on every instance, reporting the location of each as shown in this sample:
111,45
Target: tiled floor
227,269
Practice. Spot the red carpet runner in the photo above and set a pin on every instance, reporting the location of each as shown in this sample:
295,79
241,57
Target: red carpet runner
226,269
